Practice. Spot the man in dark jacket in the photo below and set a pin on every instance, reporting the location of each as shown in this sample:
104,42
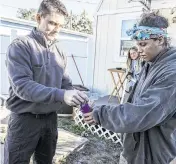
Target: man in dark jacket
39,86
148,119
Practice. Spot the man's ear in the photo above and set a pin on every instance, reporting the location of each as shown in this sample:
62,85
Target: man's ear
38,18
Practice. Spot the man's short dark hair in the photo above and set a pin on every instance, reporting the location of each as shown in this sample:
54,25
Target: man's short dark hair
153,20
49,6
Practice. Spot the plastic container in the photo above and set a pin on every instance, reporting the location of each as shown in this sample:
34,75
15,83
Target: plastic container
85,108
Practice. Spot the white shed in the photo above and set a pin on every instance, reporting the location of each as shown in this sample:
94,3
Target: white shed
113,18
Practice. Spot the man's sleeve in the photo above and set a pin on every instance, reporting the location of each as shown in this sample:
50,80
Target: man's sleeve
66,82
21,77
155,105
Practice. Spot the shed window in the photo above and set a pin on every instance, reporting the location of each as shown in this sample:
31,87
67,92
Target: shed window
126,42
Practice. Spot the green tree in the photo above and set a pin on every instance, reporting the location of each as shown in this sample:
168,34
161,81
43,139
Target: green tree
27,14
84,24
80,23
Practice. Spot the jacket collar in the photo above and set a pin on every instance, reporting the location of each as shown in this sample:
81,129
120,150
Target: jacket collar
159,56
40,37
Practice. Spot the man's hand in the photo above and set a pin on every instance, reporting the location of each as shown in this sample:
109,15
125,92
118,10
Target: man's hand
75,97
88,118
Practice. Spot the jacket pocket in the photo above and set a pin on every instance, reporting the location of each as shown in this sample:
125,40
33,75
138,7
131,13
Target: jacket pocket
18,127
38,72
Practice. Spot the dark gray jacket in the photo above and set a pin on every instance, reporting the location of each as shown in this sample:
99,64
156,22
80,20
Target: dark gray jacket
149,121
36,74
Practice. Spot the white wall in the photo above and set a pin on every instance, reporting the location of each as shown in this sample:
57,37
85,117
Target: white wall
111,5
158,4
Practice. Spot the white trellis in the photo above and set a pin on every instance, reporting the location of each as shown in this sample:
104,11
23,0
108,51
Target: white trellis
96,129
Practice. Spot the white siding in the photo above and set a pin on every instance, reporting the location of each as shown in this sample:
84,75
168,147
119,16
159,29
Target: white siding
158,4
109,5
5,41
107,54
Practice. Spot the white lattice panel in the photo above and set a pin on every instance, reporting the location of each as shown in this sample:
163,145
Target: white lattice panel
96,129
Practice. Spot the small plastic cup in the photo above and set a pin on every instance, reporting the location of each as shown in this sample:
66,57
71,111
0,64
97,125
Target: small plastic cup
85,108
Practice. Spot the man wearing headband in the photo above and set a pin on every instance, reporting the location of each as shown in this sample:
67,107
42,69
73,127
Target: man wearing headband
148,119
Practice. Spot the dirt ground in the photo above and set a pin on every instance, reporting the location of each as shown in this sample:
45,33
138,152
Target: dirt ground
95,151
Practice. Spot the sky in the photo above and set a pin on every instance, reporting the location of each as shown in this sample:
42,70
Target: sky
8,8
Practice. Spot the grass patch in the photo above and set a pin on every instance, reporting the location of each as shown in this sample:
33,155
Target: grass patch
69,125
